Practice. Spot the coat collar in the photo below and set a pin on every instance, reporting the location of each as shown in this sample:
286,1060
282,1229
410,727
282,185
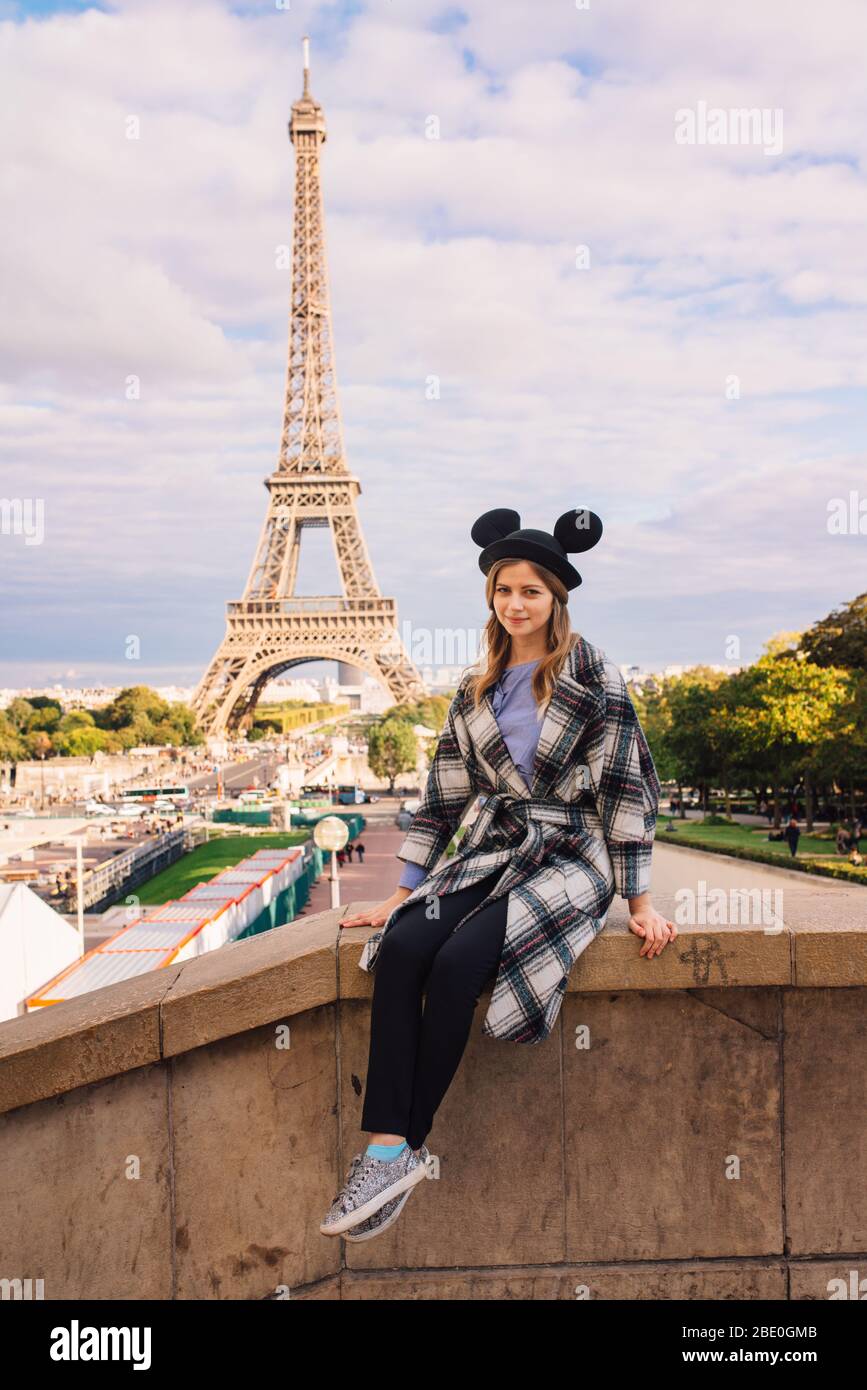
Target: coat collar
572,705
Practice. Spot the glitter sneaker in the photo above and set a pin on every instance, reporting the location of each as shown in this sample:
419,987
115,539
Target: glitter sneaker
370,1184
387,1215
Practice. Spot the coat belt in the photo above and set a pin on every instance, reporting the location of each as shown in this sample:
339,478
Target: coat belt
527,812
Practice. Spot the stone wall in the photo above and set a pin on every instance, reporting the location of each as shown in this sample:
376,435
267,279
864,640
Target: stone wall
160,1139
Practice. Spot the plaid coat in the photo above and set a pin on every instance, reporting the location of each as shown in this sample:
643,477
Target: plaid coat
581,832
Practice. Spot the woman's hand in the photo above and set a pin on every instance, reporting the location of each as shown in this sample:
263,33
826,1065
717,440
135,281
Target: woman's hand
377,916
645,921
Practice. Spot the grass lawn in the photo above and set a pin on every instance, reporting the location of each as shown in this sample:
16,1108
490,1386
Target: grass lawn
723,837
207,860
749,837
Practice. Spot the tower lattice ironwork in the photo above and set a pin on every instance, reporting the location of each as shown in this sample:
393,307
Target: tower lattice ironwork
270,629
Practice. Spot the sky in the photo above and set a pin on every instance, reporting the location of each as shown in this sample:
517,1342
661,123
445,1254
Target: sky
625,306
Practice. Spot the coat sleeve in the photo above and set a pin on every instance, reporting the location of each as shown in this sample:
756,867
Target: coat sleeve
448,789
626,788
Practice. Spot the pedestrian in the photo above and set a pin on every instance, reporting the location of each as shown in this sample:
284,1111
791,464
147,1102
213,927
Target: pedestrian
545,734
341,858
359,850
793,835
349,851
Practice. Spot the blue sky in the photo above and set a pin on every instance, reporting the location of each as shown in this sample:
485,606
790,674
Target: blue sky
607,386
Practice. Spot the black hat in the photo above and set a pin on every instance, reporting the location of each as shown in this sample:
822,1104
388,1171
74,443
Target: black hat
500,534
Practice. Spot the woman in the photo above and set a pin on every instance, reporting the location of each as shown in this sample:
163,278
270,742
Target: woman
548,735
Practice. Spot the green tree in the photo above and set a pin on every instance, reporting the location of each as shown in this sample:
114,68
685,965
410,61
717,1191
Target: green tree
841,638
76,719
689,753
392,748
19,713
134,705
654,712
79,742
785,711
841,758
11,742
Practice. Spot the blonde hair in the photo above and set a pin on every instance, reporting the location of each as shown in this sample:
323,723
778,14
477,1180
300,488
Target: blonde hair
561,639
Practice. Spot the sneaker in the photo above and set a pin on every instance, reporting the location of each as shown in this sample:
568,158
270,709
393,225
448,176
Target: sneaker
380,1220
370,1184
388,1214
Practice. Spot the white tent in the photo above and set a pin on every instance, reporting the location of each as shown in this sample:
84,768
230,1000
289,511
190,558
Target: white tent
36,943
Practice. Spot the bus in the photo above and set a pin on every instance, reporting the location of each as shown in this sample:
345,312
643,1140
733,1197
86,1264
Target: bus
175,792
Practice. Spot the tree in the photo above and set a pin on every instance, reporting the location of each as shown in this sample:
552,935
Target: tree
138,715
785,709
842,756
80,742
654,712
11,743
76,719
783,644
19,713
689,752
37,744
841,638
392,748
134,705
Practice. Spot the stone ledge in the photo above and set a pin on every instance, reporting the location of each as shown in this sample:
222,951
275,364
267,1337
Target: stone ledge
281,972
311,962
776,1280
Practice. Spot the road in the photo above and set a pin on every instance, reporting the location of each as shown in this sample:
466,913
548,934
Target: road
256,772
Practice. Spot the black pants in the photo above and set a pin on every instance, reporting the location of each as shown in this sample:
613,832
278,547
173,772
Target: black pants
413,1056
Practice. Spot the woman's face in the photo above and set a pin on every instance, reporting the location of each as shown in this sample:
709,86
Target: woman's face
522,602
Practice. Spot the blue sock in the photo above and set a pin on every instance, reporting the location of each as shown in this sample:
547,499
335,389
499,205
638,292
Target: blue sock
386,1151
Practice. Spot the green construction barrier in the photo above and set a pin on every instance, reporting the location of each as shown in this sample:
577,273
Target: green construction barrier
353,820
231,817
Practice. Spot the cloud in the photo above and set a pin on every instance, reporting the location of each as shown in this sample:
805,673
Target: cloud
145,307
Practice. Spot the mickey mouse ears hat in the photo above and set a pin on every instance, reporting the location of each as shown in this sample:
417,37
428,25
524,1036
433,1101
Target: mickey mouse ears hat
500,533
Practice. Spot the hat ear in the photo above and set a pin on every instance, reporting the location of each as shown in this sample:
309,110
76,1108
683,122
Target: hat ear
493,526
578,530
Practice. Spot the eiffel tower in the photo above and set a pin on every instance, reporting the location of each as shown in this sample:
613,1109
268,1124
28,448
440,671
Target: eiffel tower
269,629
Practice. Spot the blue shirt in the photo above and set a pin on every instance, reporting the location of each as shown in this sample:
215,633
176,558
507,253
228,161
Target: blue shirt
517,718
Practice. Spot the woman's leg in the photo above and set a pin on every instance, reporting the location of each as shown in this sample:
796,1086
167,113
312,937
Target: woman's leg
406,955
462,967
